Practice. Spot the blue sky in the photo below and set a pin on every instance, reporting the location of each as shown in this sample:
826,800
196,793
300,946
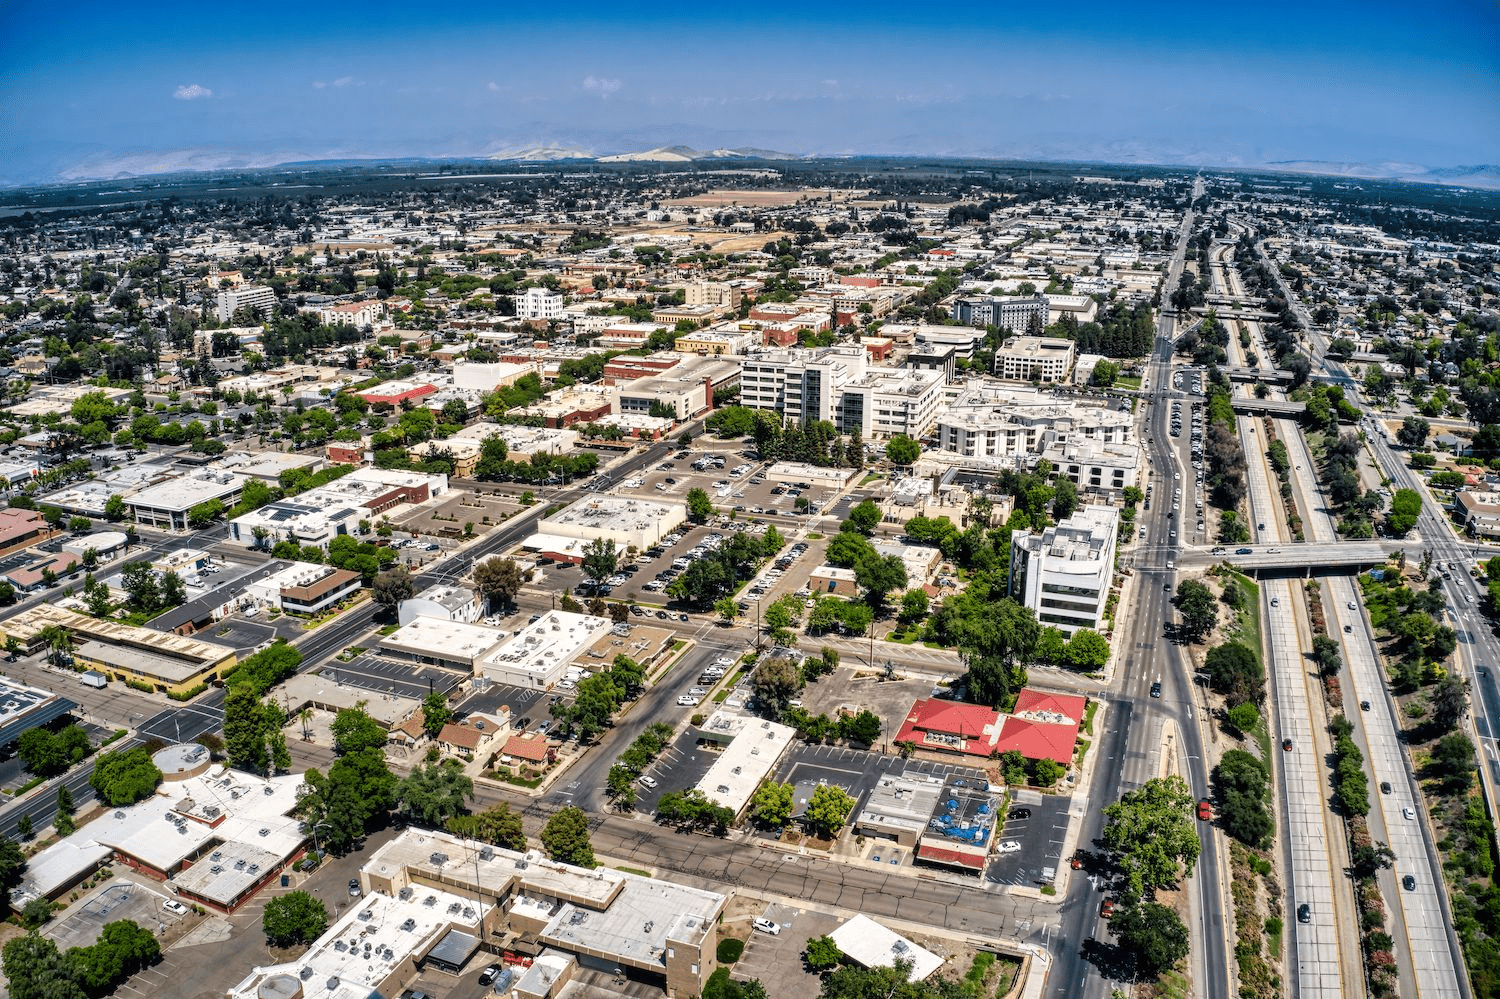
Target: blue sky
94,89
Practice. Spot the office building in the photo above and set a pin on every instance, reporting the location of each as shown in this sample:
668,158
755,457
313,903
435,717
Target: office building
539,304
259,300
1019,314
1064,572
1035,358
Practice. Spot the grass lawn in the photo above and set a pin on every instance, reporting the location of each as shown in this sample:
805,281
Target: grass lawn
1127,382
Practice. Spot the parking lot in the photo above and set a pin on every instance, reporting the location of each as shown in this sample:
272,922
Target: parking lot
1039,837
858,771
777,959
523,702
391,676
890,700
121,900
680,766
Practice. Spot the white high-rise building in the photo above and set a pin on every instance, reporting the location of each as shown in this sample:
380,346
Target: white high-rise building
1064,572
231,300
837,385
539,303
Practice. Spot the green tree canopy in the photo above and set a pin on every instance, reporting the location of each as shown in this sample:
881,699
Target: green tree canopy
294,918
566,837
499,824
431,795
1151,835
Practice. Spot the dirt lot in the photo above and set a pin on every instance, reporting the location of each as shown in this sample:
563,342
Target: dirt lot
448,520
763,199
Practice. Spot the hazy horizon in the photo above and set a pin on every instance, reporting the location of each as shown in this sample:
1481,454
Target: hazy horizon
113,91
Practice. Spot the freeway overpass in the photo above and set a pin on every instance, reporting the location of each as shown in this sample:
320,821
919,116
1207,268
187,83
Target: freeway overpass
1266,407
1298,559
1271,376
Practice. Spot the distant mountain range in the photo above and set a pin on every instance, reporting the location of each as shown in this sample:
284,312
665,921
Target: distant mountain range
202,160
1484,175
661,154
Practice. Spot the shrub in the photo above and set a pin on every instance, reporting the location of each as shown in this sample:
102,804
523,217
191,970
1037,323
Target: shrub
730,950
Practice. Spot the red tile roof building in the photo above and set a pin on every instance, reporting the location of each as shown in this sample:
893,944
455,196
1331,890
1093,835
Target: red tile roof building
951,727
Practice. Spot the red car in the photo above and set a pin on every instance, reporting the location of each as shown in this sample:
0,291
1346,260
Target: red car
1107,909
1205,810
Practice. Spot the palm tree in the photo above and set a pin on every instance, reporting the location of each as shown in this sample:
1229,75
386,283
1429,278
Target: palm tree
305,716
58,641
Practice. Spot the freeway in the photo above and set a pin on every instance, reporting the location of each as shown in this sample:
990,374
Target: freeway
1431,963
1314,964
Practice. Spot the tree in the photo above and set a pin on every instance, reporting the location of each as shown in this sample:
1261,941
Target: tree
1151,834
294,918
498,824
48,754
1064,498
863,518
1413,432
435,713
992,646
115,508
1325,652
827,809
775,682
1244,717
12,865
245,729
1199,610
355,731
1406,507
1243,784
878,575
1450,701
1365,859
123,948
600,559
771,804
142,592
1452,759
727,609
1086,650
36,969
173,593
822,953
358,787
433,794
700,507
902,450
499,579
1153,934
914,605
566,837
204,514
1047,772
393,586
1235,671
125,777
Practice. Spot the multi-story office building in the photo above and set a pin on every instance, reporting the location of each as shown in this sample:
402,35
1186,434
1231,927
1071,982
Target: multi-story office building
1064,572
231,300
988,422
539,303
1035,358
836,384
1019,314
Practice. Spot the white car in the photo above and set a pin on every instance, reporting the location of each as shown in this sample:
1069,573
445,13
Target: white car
175,907
1008,846
687,702
648,782
765,925
724,661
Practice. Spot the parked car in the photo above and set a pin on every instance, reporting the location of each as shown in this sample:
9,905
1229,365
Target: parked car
354,887
687,702
764,925
1107,909
489,974
648,782
175,907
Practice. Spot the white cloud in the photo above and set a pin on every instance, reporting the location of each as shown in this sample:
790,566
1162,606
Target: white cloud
494,87
600,85
343,81
319,84
191,92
